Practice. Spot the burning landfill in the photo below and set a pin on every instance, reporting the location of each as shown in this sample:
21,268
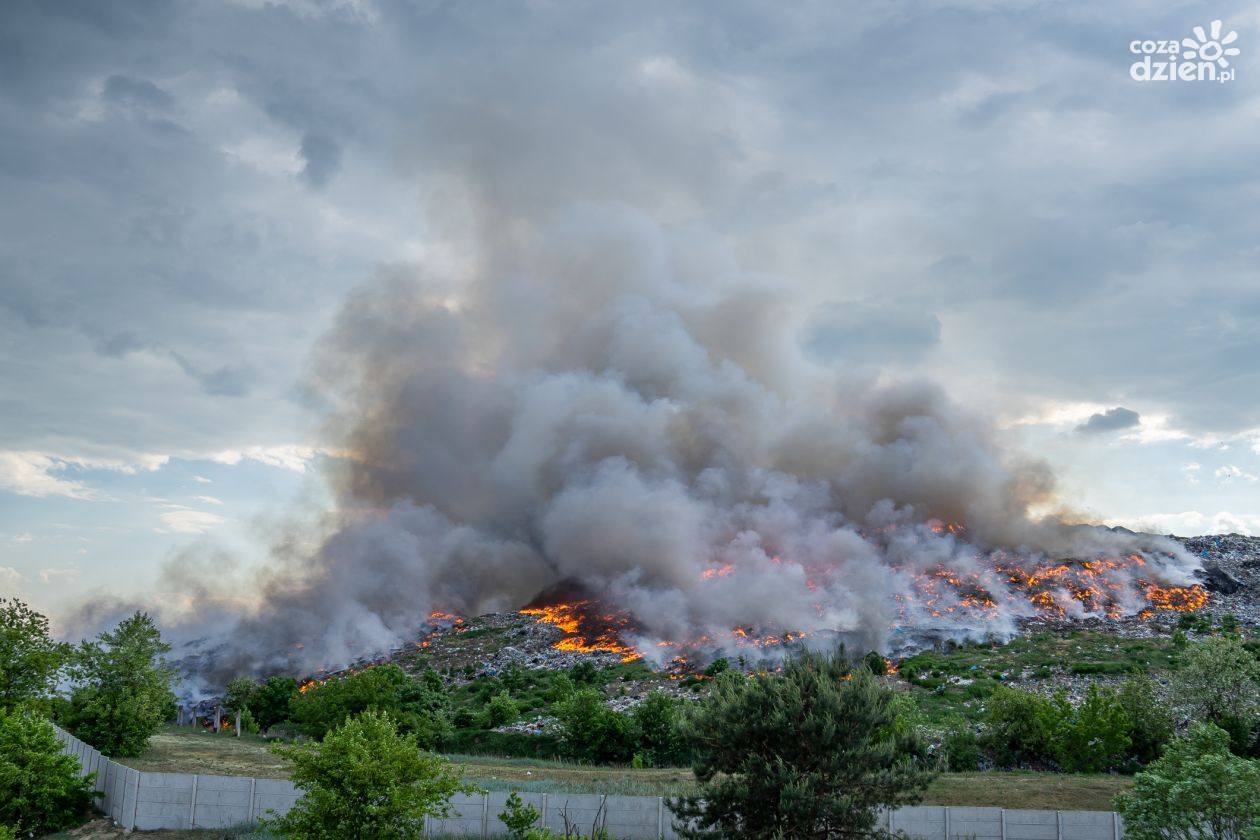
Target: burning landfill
636,440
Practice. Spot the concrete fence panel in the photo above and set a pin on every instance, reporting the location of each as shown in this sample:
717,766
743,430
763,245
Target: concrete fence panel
980,823
273,797
150,801
468,817
1032,825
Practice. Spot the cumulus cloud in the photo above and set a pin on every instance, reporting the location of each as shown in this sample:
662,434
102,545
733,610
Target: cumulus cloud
10,577
1111,420
35,473
295,457
1230,472
1194,523
31,474
186,521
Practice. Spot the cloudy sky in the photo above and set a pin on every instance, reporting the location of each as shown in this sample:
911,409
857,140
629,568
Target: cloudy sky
973,192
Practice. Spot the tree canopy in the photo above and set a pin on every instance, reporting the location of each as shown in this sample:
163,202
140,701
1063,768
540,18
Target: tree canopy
365,781
123,688
1197,790
29,658
40,788
813,752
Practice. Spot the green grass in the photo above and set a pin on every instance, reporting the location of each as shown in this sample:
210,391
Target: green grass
1035,791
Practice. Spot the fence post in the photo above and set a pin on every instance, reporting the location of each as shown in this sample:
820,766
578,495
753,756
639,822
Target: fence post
660,817
544,812
192,803
253,799
485,813
1115,826
1003,824
135,802
1058,825
946,822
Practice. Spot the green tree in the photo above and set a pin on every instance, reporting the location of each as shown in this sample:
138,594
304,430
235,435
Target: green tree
40,788
424,709
593,732
502,709
1021,727
1197,790
365,781
812,752
324,706
1094,736
123,688
29,658
271,704
240,694
1150,720
1219,682
717,666
656,735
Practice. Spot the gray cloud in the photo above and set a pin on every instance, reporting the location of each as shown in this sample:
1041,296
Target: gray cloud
1111,420
137,93
322,158
225,381
879,332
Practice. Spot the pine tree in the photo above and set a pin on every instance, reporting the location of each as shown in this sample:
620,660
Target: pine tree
813,752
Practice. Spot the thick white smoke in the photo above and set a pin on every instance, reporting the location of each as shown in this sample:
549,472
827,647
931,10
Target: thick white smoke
592,416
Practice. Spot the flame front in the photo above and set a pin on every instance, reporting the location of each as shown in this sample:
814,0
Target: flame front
586,629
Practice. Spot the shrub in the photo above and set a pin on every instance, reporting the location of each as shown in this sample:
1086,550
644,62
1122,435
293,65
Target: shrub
1021,727
1150,721
323,706
502,709
584,673
875,663
1095,735
518,817
656,731
366,781
811,752
960,750
40,788
1219,682
716,667
1198,789
593,732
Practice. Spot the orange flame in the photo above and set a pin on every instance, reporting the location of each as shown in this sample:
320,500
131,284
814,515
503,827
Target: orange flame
585,630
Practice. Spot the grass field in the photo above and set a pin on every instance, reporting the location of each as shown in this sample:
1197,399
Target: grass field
183,749
186,750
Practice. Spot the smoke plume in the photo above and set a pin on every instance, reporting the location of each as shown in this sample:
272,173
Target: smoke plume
598,417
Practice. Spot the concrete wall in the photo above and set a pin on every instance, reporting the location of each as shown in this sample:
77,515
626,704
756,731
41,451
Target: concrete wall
180,800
